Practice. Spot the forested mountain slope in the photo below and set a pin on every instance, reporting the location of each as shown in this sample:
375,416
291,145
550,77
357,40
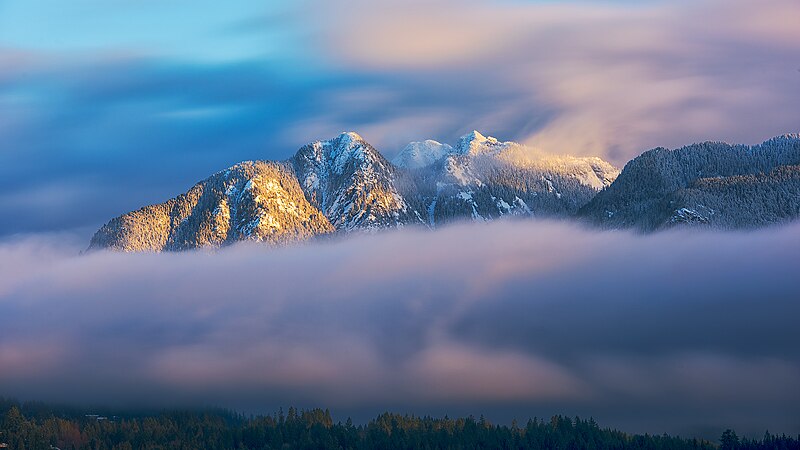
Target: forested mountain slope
712,184
259,201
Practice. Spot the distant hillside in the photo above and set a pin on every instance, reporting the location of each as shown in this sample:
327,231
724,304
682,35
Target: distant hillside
712,184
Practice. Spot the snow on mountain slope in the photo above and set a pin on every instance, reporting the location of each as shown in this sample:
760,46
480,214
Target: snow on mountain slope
712,184
421,154
484,178
259,201
353,184
590,171
474,144
344,184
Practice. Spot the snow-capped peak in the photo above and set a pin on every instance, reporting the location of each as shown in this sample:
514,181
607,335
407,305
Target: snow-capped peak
345,141
336,153
320,151
349,136
474,135
421,154
789,137
474,143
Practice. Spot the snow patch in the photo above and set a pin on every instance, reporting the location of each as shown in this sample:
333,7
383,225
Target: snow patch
416,155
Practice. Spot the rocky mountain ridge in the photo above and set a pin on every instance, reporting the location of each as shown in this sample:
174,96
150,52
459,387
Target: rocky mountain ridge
345,185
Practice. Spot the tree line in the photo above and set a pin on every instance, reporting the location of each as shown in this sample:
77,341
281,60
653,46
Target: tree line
34,426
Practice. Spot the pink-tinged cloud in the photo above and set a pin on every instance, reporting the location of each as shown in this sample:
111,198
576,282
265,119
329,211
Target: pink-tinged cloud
603,79
117,129
675,332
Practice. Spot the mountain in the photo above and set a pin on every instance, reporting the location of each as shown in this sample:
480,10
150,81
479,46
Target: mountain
482,178
259,201
353,184
345,185
712,184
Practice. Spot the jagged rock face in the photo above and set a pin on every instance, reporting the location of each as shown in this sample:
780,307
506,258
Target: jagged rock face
353,184
710,184
259,201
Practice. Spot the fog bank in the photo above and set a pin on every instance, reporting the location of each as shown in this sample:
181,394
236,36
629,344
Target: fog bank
680,332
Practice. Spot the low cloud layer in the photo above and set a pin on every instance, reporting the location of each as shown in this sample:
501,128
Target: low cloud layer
677,332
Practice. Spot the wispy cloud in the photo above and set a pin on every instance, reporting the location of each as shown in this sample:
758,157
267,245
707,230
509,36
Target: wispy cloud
604,78
675,332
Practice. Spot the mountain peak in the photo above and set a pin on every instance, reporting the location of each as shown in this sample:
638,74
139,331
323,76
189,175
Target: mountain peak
788,137
343,184
349,136
339,149
421,154
474,143
474,135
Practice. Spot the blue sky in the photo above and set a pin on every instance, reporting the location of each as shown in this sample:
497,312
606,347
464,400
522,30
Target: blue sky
109,105
194,30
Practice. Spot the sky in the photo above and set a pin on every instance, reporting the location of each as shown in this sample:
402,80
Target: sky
109,105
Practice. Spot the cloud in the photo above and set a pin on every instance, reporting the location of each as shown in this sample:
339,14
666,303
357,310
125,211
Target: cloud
604,78
681,332
121,133
123,126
